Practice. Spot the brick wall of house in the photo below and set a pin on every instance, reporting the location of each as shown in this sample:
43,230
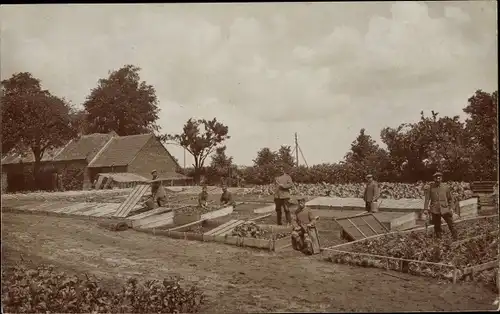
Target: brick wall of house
152,156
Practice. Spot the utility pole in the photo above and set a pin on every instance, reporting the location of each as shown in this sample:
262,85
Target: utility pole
296,149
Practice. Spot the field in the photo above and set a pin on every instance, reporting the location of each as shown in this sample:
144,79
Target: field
234,278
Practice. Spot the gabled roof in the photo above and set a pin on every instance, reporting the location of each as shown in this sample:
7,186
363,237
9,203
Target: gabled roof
84,148
120,151
28,157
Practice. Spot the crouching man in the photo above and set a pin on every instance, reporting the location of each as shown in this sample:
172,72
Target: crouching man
304,219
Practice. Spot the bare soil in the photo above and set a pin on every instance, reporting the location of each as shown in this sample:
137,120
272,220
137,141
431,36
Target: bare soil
235,279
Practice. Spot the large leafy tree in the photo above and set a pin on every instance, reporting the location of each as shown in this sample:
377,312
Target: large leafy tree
221,165
482,131
32,118
200,138
417,150
122,103
364,157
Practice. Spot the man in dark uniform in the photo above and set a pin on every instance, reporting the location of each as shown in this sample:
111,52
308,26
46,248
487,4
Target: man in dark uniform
203,197
283,184
226,198
303,219
371,195
438,196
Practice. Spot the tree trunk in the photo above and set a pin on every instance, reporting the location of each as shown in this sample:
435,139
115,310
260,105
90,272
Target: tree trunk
37,153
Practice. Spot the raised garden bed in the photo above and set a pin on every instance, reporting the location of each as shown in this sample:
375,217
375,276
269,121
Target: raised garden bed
417,252
193,231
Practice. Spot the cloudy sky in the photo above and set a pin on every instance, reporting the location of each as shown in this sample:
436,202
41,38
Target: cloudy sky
323,70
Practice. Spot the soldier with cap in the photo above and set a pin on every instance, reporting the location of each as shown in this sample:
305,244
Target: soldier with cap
439,200
157,191
226,198
371,195
203,197
303,219
283,185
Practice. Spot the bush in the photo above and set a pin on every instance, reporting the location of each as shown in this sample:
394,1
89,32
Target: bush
42,289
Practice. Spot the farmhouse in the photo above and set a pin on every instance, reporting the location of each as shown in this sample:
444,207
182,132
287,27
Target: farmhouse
82,159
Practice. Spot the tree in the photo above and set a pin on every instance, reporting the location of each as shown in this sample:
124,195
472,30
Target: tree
417,150
221,166
33,118
265,156
364,157
285,158
481,128
200,143
122,103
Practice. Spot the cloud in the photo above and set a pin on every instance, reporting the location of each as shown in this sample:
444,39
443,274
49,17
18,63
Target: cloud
323,70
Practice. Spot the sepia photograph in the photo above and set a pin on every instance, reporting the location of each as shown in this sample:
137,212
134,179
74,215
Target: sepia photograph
249,157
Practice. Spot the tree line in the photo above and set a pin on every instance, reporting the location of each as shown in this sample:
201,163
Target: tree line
36,120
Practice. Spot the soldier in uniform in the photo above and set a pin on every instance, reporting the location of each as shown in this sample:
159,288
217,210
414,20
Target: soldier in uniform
371,195
283,184
226,198
303,219
203,197
440,202
157,191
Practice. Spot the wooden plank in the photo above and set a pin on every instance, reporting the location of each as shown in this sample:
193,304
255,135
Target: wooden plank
108,183
265,210
478,268
41,207
127,201
98,209
364,235
213,231
187,225
159,221
375,232
80,207
99,182
133,199
260,217
106,211
156,211
218,213
313,234
458,243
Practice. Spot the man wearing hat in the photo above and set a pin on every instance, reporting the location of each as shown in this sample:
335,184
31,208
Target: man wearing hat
283,184
157,190
226,198
371,195
438,196
303,220
203,196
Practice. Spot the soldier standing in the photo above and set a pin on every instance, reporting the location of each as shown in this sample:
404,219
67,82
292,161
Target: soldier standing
438,196
282,196
157,190
371,195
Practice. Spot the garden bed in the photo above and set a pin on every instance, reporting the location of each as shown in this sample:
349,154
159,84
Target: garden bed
270,240
417,252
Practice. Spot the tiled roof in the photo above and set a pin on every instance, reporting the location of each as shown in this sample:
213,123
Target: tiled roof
120,151
84,148
28,157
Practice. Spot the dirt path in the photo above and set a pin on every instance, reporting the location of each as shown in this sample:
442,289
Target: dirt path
235,279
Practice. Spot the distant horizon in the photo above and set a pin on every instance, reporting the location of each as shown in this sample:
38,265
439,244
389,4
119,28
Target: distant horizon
323,70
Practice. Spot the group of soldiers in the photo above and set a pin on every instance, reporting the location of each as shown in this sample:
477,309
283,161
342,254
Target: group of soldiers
438,203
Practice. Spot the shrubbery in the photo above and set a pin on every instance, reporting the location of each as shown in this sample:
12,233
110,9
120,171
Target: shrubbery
43,290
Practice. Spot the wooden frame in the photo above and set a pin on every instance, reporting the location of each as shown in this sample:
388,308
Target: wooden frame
133,198
456,273
272,245
337,220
